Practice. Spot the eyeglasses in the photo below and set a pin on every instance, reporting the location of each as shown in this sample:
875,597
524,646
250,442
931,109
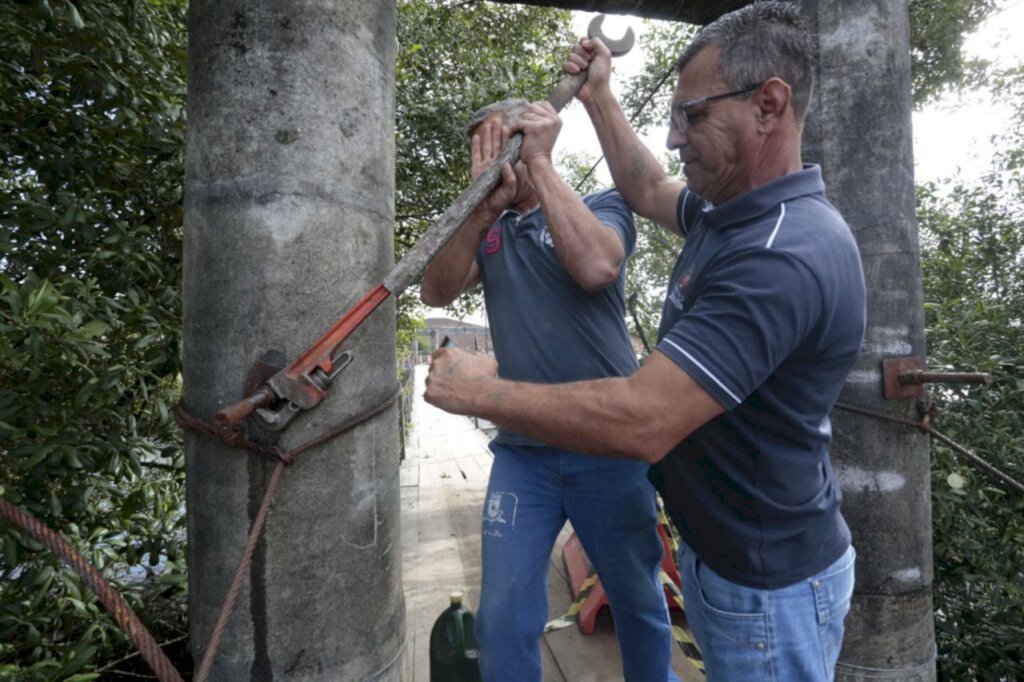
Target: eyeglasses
677,115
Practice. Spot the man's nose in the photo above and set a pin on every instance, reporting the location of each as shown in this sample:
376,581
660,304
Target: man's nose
675,139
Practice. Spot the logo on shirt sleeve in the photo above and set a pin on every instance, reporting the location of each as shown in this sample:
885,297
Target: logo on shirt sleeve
677,292
493,241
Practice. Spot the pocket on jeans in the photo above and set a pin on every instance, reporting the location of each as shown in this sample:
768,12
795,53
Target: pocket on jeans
834,590
833,593
734,612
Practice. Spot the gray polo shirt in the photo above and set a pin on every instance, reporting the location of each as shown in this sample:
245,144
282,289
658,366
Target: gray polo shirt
545,327
766,311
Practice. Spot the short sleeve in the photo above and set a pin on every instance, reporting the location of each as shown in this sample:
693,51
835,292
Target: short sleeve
611,209
689,205
752,312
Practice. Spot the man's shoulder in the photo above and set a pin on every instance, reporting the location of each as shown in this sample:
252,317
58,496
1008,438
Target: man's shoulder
608,197
611,208
811,224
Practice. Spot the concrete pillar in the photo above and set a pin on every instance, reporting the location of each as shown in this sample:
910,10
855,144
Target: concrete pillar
859,131
288,221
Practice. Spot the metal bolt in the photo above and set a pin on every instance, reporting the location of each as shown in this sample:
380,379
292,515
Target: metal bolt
905,377
917,377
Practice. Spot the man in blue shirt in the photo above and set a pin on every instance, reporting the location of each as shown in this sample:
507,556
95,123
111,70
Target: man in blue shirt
762,321
552,266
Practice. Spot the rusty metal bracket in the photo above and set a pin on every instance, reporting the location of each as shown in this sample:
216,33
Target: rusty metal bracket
906,377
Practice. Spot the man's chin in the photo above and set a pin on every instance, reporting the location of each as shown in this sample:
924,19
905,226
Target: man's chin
692,178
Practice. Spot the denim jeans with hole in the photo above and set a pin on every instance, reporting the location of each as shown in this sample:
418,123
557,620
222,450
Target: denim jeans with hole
531,493
791,634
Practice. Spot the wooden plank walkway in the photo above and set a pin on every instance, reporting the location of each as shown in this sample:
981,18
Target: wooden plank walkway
444,480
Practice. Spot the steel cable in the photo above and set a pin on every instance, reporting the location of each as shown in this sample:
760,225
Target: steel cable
112,601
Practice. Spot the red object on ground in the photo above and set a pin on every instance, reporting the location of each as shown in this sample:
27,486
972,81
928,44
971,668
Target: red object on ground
579,568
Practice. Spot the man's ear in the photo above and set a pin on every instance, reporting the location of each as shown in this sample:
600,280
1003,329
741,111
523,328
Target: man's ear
774,101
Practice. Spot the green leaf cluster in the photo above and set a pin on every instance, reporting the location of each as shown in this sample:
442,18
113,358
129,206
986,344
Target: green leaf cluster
973,263
972,248
454,58
938,29
91,143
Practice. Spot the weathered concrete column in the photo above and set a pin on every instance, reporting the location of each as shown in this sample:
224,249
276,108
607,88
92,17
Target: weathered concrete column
288,221
859,131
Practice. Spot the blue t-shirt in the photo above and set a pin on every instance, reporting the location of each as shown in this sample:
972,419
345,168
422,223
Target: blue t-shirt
545,327
766,311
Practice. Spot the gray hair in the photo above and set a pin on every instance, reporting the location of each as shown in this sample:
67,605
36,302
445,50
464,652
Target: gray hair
758,42
510,107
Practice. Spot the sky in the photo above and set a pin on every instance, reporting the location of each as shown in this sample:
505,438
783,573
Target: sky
951,137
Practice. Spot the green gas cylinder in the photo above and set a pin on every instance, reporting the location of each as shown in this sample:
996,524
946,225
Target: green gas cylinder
454,655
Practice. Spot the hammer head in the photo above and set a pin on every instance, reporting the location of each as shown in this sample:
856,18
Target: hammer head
616,47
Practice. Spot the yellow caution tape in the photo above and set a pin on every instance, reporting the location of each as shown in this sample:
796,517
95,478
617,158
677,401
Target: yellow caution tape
572,616
682,636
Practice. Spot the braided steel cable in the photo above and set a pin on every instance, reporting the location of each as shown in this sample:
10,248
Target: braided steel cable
228,607
115,603
108,596
925,427
284,459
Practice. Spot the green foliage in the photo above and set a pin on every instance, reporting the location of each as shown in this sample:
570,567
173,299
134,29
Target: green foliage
937,32
972,256
453,58
409,327
91,142
645,100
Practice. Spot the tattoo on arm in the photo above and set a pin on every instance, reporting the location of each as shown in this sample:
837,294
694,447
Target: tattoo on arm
637,162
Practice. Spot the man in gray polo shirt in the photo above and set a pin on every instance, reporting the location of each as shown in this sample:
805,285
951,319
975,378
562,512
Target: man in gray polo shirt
553,267
762,321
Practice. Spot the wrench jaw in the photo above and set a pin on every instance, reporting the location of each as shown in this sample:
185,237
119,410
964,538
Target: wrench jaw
278,416
617,47
276,419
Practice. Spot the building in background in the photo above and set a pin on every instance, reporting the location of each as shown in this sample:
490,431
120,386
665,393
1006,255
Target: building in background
464,335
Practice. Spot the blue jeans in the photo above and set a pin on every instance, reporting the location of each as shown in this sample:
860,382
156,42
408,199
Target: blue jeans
751,634
532,491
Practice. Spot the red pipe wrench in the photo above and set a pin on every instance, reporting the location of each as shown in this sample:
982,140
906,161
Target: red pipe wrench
304,383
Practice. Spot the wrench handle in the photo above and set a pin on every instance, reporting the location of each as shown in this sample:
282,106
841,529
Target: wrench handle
229,415
438,234
566,89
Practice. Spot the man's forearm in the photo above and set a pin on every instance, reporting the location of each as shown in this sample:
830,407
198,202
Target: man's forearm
448,273
595,417
641,416
636,172
591,252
